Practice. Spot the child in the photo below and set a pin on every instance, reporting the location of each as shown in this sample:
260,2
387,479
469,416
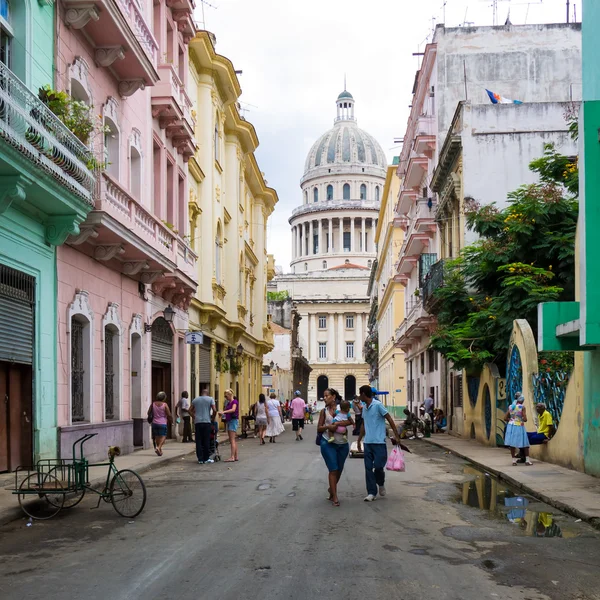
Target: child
341,415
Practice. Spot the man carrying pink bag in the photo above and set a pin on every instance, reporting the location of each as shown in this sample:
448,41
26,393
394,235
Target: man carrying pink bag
395,461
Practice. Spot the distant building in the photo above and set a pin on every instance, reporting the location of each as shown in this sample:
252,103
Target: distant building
459,145
333,248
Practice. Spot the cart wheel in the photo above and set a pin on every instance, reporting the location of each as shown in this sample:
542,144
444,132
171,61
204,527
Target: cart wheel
128,493
40,505
71,498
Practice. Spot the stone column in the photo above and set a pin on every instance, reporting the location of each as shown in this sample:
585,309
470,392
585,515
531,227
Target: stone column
314,350
330,242
293,243
352,245
320,234
301,253
363,237
311,237
358,340
341,353
373,227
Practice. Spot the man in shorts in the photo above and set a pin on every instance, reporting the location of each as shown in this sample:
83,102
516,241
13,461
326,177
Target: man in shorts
298,406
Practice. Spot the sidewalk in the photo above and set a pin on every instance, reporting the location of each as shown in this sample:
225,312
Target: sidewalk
140,461
570,491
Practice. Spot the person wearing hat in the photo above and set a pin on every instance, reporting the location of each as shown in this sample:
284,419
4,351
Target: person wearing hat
298,407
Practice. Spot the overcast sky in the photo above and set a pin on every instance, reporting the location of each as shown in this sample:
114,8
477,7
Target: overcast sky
294,53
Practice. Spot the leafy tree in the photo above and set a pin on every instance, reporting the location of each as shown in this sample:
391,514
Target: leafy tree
525,255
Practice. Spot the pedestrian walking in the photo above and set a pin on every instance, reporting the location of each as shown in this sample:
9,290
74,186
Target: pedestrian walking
274,418
334,453
286,411
515,435
298,408
373,430
232,416
261,417
182,410
203,411
357,407
161,417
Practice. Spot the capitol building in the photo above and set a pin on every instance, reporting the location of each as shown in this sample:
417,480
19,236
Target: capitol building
333,249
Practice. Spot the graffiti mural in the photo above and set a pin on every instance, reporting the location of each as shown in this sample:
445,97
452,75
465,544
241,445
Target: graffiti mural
487,407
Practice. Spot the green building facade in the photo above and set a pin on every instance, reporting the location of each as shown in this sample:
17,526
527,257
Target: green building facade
45,193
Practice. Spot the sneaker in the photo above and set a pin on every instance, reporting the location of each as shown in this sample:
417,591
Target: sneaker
370,498
382,491
200,462
210,460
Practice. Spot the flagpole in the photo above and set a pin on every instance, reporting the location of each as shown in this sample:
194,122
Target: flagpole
465,76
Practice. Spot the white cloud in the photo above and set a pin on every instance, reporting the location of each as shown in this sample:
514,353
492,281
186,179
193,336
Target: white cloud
294,55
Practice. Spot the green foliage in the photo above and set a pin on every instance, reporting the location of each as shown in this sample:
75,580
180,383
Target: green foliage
556,362
275,296
525,255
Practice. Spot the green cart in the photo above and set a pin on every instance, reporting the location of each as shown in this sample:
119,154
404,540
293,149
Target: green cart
55,484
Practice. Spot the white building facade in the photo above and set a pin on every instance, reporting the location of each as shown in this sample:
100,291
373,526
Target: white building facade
333,248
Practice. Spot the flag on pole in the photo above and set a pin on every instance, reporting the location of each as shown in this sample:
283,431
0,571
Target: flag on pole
498,99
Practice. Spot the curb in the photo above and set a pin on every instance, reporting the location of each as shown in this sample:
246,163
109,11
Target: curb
501,476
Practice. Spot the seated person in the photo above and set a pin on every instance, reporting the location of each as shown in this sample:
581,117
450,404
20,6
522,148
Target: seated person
545,428
440,422
341,415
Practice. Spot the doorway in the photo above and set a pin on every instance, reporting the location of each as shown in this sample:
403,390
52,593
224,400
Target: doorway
16,415
322,385
349,387
162,358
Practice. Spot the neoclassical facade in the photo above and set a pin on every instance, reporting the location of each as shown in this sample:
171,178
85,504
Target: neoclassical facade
333,248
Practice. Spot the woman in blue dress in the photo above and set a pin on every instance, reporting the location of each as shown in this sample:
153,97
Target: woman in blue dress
516,434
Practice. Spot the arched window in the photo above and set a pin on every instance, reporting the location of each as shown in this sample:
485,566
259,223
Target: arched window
111,147
306,266
346,191
315,194
376,193
363,191
135,172
330,192
324,264
113,360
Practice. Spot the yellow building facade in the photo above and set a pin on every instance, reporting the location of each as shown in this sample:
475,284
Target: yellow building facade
390,292
229,205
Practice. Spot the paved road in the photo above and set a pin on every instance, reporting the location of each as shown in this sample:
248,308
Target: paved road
262,528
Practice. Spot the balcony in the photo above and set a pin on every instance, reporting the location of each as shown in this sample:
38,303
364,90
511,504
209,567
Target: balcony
406,264
41,158
415,171
405,201
125,235
433,281
121,37
172,107
417,323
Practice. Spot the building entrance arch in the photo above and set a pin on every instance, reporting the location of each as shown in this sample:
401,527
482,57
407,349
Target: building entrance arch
322,385
349,387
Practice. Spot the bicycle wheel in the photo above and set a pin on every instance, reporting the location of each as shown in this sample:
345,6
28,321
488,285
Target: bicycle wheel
127,493
71,498
38,505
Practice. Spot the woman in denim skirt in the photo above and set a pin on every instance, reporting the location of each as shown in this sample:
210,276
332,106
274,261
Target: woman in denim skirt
232,416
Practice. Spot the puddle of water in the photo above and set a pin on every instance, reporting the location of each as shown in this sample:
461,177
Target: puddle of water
500,500
263,486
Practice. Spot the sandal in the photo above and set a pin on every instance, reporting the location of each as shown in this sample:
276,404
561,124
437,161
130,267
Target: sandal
230,460
514,463
336,503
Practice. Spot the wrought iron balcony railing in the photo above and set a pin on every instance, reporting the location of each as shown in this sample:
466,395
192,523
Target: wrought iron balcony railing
433,281
30,127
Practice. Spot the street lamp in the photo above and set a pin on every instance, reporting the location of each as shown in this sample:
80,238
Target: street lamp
169,314
239,350
271,364
230,353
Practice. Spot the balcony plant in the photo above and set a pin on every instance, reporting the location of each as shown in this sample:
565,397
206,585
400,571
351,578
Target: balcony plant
235,367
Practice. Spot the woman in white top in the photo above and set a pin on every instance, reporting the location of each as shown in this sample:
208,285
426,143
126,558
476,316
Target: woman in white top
261,417
274,418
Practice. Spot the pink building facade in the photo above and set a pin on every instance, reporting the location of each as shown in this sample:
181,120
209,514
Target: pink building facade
132,257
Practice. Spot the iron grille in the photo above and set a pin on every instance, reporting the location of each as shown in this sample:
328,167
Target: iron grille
77,372
109,375
433,281
17,285
425,262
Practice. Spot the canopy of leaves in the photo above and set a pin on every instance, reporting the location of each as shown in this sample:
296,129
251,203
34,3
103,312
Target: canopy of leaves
525,255
275,296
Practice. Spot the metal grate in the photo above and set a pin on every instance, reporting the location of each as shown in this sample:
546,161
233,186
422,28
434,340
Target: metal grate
109,375
17,285
425,262
77,371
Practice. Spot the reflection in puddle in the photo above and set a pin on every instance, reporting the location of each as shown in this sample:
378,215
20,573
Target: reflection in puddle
501,500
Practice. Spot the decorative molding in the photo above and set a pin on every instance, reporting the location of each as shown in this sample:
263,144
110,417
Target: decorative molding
218,193
108,252
135,140
106,56
136,326
80,306
111,110
58,228
134,267
129,87
85,233
218,290
149,277
12,188
111,317
158,287
78,18
79,70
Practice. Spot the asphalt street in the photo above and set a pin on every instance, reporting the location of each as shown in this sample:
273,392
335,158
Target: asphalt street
262,528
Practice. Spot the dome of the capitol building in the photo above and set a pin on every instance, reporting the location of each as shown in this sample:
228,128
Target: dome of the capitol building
345,146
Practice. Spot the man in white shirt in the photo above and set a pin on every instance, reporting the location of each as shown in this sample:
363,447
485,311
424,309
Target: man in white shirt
183,410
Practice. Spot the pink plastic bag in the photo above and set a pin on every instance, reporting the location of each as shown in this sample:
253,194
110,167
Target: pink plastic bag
395,461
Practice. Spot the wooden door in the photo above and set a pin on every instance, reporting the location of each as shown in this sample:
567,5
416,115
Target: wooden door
16,416
161,382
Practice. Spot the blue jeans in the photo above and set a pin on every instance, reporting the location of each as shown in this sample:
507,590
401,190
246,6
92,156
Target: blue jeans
375,459
334,455
536,438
